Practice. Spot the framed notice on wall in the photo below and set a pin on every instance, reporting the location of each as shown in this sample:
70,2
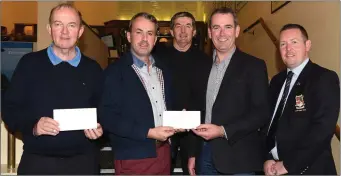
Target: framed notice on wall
11,53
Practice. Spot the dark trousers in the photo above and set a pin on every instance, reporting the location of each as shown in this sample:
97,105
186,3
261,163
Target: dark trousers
206,165
147,166
179,140
82,164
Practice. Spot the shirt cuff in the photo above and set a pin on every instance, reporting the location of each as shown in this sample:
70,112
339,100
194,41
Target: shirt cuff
225,135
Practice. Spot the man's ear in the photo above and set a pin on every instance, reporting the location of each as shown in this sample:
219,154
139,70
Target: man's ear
172,32
237,31
194,32
307,45
128,37
48,28
81,30
209,33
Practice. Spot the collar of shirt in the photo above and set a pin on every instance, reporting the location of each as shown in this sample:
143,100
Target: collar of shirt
55,60
228,57
297,71
139,63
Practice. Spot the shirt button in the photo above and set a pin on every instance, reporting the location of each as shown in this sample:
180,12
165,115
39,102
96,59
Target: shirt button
160,115
156,101
153,87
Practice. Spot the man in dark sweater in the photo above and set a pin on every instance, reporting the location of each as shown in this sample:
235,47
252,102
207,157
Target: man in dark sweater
189,68
58,77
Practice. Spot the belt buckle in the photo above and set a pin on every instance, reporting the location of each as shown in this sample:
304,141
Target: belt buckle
159,143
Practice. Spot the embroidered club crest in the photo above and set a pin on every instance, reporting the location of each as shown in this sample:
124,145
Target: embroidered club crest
299,102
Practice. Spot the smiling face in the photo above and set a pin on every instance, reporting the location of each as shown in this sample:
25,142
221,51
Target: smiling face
142,36
183,31
294,47
223,32
65,28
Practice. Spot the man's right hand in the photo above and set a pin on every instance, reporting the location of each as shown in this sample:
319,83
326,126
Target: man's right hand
46,126
160,133
191,165
269,167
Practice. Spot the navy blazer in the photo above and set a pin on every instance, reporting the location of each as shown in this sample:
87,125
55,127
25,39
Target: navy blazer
307,124
126,112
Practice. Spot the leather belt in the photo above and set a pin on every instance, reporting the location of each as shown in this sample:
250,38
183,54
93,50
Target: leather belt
160,143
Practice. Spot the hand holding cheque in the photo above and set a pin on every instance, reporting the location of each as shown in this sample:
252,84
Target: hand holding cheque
181,120
70,119
185,120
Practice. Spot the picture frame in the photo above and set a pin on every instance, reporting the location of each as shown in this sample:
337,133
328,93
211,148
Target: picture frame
239,5
276,5
109,40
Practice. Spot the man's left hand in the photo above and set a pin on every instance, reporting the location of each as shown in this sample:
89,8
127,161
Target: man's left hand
209,131
94,133
279,168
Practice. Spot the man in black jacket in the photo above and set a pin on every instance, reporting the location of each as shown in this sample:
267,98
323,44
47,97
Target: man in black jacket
305,101
236,105
58,77
189,68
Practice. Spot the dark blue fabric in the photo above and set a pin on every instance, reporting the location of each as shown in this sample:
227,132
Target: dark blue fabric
126,112
206,164
37,88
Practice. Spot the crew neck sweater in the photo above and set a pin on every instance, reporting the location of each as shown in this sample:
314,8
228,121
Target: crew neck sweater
38,87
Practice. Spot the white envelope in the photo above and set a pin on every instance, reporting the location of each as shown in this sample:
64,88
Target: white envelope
181,119
76,119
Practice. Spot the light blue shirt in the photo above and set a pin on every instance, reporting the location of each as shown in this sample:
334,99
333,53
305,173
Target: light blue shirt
139,63
55,60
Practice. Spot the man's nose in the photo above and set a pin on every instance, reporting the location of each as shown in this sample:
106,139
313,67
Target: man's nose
65,30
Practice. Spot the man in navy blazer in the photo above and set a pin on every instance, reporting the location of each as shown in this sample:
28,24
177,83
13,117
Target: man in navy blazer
136,93
305,100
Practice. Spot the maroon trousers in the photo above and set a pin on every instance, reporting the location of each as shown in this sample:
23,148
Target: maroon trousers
148,166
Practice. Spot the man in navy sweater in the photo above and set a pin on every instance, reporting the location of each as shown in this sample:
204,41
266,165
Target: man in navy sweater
136,93
58,77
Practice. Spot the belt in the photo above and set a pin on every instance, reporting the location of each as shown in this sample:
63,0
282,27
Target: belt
160,143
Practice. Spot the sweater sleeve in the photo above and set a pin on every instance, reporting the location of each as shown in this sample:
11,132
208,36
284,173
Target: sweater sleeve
16,109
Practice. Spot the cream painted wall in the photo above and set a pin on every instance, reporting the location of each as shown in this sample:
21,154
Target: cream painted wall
96,13
322,22
18,12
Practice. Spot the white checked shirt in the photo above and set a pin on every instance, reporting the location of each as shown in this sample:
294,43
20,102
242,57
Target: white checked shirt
152,83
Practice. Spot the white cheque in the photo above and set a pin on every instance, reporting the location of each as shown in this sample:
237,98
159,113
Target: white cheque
181,119
76,119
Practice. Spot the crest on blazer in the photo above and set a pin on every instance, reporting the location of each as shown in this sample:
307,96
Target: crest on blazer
300,105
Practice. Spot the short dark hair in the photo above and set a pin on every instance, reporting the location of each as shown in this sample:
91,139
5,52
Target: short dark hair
145,15
182,14
224,10
65,5
296,26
